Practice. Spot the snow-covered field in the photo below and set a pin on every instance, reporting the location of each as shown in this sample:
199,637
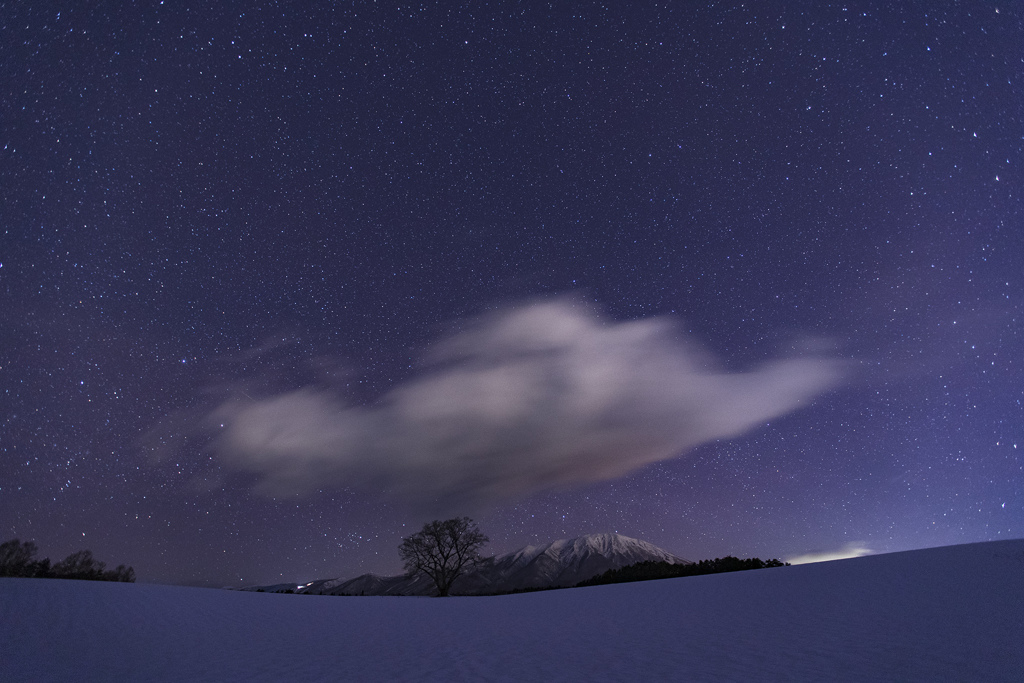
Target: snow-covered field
943,614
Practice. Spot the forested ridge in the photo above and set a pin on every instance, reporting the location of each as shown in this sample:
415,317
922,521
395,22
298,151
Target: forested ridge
650,570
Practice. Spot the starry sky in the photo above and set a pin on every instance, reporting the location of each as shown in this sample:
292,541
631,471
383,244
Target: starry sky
283,281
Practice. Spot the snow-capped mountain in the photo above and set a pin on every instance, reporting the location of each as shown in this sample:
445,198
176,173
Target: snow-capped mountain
561,563
371,584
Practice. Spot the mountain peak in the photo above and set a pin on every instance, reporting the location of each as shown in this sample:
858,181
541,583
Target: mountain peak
561,563
566,562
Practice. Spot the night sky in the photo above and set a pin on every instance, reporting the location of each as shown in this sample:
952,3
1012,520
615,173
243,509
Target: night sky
282,282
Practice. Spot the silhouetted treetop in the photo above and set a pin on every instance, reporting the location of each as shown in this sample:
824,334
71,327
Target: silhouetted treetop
443,551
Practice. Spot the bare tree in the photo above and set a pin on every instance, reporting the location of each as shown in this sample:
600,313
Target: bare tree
443,551
80,565
16,558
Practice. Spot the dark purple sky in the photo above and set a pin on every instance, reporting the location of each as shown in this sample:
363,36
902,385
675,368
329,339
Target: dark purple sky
508,262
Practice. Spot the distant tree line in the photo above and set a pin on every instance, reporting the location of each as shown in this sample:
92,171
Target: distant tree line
18,559
649,570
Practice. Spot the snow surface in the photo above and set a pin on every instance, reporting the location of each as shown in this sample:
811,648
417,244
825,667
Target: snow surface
942,614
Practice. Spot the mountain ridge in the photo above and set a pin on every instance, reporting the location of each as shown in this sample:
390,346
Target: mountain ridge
558,564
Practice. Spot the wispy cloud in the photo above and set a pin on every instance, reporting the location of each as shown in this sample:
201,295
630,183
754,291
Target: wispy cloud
847,551
542,395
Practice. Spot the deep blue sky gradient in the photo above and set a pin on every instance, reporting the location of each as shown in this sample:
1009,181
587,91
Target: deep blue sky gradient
191,197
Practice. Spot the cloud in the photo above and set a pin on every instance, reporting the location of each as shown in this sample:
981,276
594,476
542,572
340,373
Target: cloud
847,551
543,395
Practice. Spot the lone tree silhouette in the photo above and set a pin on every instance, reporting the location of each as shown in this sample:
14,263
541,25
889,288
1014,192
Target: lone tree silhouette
443,551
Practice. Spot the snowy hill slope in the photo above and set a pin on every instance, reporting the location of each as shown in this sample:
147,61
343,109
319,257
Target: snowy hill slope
950,614
561,563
